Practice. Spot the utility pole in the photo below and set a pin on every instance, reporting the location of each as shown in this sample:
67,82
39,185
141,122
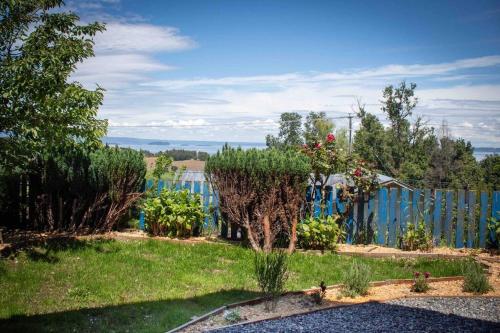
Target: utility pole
350,133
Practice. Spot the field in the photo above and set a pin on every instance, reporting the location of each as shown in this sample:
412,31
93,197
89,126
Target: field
150,285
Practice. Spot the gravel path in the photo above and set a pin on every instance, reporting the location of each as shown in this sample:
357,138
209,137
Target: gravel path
434,314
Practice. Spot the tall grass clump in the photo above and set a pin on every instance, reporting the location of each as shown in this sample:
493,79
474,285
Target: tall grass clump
475,280
271,271
356,280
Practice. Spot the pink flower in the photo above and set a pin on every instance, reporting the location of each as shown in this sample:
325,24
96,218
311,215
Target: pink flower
318,145
417,274
330,137
427,274
357,172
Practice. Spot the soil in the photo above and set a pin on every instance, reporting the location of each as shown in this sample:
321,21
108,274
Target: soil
302,303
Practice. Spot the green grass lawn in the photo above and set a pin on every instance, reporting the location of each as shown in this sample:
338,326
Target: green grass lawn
152,286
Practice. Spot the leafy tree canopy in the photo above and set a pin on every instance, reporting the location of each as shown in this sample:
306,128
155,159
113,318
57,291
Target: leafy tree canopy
39,108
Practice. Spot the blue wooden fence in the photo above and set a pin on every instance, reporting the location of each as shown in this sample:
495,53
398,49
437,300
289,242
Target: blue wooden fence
455,218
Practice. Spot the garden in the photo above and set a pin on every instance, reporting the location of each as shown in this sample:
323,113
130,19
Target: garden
91,240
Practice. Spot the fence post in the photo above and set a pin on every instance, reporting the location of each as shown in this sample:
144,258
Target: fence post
382,216
459,239
495,212
404,209
317,201
141,220
437,217
393,220
415,206
471,220
448,222
427,209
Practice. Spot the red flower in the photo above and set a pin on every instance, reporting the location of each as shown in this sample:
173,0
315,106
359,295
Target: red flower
358,172
427,274
417,274
318,145
330,137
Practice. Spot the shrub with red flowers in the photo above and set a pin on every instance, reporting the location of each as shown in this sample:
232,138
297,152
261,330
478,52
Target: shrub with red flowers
420,284
363,178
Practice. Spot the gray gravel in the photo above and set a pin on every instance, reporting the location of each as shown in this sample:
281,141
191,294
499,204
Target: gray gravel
435,314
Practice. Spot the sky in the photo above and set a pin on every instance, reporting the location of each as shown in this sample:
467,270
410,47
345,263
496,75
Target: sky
225,70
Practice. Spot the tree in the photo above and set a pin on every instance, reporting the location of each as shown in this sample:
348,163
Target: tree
490,166
39,108
290,134
398,105
317,127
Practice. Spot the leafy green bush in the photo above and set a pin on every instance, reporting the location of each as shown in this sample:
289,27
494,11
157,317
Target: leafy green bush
356,280
475,281
494,232
173,213
416,238
319,234
420,284
271,271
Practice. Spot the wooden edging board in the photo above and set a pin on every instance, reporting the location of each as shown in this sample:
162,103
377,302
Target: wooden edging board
305,291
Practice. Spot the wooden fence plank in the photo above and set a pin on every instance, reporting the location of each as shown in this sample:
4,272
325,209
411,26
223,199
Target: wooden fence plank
329,201
141,220
370,211
393,196
495,211
317,201
459,232
482,219
404,209
471,219
448,222
187,185
149,184
350,226
206,201
160,186
415,206
436,233
427,208
382,216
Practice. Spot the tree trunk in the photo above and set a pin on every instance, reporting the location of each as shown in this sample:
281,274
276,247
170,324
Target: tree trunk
266,226
293,235
251,238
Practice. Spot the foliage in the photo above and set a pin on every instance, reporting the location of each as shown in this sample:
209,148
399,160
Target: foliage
173,213
320,234
490,166
412,151
317,127
75,190
290,134
494,232
420,284
163,165
40,110
475,280
271,272
260,190
219,274
320,294
416,238
356,280
232,316
179,154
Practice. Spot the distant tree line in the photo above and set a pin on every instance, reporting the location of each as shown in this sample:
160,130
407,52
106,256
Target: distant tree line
179,154
406,148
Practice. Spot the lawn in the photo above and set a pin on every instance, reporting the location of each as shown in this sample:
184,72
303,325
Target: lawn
152,286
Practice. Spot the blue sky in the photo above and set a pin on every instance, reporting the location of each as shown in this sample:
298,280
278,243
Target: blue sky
225,70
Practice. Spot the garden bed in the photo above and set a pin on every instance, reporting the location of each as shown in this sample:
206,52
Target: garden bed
301,302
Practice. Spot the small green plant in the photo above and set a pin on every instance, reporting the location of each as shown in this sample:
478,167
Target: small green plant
416,238
420,284
356,280
319,234
232,316
173,213
320,294
271,271
494,232
475,280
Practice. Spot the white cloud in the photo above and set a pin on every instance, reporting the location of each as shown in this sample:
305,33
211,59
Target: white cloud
148,38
